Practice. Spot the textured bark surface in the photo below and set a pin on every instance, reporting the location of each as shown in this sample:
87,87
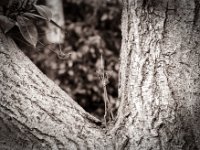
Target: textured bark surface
35,113
159,89
160,72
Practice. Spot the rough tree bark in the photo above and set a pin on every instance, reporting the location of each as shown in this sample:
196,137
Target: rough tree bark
159,89
159,75
35,113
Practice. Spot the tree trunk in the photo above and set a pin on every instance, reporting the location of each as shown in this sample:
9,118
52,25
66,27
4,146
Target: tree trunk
159,74
53,33
159,89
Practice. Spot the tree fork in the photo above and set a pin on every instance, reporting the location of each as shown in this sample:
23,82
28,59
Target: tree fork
35,108
159,89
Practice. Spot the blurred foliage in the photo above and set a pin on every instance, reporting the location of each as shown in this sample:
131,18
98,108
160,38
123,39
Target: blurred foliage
92,28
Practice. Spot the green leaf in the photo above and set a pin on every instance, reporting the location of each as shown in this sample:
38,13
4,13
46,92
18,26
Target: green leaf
14,5
28,30
44,11
6,23
33,15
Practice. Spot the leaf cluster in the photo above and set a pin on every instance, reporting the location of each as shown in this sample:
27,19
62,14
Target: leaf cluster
22,13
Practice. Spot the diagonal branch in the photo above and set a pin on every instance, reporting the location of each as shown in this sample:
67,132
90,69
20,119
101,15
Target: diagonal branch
32,106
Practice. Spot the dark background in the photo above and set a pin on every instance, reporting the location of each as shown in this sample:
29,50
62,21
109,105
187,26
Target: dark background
92,28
